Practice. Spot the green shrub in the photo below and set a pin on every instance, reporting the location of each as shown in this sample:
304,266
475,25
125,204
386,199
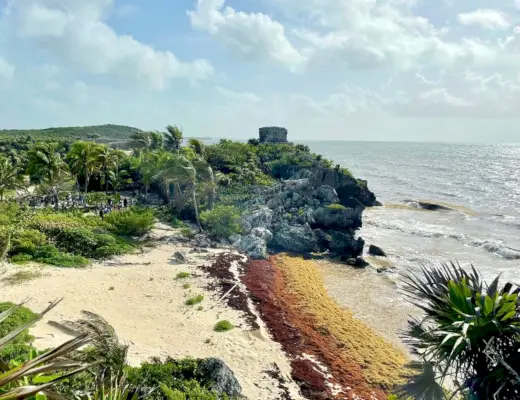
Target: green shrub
80,241
49,254
132,222
52,223
108,245
222,221
84,242
223,326
182,275
173,379
21,258
195,300
26,241
20,347
186,286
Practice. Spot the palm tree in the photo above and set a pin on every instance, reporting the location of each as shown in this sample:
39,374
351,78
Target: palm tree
11,177
142,140
470,331
206,179
180,171
83,160
51,362
174,138
108,160
157,140
47,166
198,146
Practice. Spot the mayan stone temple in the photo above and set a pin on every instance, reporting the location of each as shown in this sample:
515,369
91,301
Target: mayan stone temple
273,134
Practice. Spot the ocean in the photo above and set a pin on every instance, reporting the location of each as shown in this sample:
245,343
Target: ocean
479,182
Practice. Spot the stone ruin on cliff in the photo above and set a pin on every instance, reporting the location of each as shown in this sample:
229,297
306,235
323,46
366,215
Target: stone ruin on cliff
273,134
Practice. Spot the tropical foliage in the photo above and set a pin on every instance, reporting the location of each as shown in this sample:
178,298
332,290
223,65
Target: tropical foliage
470,334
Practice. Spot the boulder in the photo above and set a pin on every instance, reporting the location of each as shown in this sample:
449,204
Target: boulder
234,238
181,257
344,244
260,218
221,378
263,233
306,215
253,246
295,184
276,202
374,250
337,216
297,238
357,262
326,194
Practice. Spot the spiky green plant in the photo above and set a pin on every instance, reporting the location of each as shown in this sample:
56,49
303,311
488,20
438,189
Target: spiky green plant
53,364
463,316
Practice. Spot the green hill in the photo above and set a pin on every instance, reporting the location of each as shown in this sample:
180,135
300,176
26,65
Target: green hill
100,133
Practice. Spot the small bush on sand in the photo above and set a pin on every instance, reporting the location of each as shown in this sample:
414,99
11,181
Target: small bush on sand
19,348
49,254
132,222
186,286
182,275
222,221
194,300
21,259
223,326
22,276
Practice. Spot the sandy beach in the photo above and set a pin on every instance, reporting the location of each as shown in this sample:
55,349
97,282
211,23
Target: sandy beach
139,295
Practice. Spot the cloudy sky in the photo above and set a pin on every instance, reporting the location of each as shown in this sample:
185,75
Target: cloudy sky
422,70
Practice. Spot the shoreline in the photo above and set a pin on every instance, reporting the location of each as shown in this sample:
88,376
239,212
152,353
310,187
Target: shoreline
278,348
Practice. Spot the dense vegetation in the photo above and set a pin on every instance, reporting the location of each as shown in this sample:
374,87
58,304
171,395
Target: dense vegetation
106,132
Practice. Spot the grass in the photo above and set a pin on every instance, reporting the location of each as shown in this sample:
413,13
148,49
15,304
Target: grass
22,276
195,300
381,362
186,286
182,275
223,326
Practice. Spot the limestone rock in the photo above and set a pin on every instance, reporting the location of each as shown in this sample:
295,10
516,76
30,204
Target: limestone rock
337,216
263,233
253,246
234,238
260,218
326,194
222,379
297,238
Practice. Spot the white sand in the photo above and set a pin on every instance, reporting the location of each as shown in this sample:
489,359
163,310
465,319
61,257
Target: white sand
145,305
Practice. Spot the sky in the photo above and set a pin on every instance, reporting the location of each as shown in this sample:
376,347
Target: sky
403,70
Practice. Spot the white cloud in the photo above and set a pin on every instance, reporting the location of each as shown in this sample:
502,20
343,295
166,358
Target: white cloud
74,31
6,70
255,36
238,96
485,18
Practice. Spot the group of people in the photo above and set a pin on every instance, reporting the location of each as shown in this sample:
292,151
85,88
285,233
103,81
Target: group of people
110,206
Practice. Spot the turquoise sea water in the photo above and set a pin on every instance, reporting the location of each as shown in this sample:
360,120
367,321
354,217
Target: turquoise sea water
480,182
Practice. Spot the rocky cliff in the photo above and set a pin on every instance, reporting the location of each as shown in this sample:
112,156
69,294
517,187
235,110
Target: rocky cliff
316,210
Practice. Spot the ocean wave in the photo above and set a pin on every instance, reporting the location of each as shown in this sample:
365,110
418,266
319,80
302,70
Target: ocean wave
498,247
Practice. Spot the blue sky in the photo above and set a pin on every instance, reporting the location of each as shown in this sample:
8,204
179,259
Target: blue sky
325,69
